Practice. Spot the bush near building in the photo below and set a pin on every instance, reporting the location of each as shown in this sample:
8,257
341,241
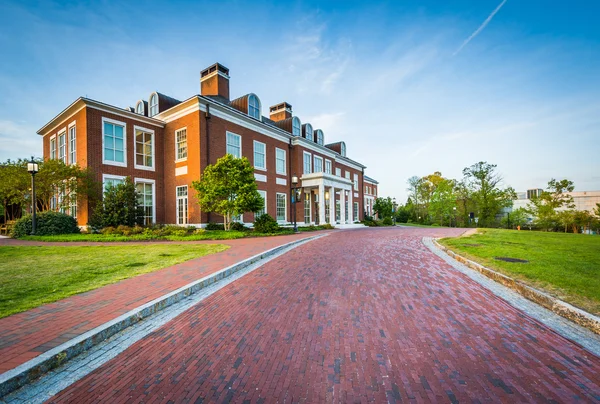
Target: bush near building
47,224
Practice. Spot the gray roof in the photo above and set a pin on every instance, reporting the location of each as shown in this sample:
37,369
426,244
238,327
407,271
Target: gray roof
371,180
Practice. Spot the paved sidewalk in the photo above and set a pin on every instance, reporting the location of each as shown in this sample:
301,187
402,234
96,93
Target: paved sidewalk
24,336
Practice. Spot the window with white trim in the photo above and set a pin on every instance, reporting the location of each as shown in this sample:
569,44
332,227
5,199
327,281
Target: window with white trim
260,155
73,206
112,181
144,148
234,144
327,166
343,149
254,106
347,174
281,207
307,207
280,158
355,216
307,163
356,182
140,108
72,145
53,148
114,143
182,204
296,126
320,137
261,212
145,191
62,147
338,171
181,144
153,105
318,164
308,131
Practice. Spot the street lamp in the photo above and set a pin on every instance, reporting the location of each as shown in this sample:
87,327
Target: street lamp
454,209
294,197
32,168
394,206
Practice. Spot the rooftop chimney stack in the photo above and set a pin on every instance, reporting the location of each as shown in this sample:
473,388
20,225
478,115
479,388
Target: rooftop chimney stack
214,80
280,112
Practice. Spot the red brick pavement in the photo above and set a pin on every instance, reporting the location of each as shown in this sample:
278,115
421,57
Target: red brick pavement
26,335
361,316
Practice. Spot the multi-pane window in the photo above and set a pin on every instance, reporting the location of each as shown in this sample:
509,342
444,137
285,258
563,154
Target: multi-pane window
346,211
114,143
327,212
280,161
181,144
72,145
73,206
62,147
327,166
140,108
343,149
153,105
338,211
53,148
144,148
281,207
182,204
356,182
320,137
338,172
145,199
307,165
307,207
308,131
260,154
318,165
112,182
261,212
348,174
296,127
234,145
355,216
254,106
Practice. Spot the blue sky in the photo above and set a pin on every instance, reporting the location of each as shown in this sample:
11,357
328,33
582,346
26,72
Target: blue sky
399,81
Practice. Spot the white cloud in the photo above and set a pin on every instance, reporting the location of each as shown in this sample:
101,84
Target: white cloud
17,139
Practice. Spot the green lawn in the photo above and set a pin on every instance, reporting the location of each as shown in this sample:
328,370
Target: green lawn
565,265
32,276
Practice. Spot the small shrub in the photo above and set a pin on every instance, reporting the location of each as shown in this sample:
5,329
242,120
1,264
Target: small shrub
327,226
388,221
237,226
47,224
199,231
123,230
108,230
215,226
265,224
170,230
137,230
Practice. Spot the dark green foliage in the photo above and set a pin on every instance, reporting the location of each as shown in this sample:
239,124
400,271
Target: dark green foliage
47,224
387,221
265,224
402,214
215,226
237,226
120,206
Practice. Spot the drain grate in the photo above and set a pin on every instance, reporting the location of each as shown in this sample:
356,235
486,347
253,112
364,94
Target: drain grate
508,259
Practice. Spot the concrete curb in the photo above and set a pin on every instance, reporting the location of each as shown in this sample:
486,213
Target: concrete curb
557,306
34,368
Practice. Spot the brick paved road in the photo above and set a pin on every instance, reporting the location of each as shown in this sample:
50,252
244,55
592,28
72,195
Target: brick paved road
26,335
358,316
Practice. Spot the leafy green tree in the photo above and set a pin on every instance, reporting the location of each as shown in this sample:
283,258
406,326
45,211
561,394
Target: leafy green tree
414,185
403,214
546,206
120,206
443,201
15,184
485,188
384,207
518,217
228,188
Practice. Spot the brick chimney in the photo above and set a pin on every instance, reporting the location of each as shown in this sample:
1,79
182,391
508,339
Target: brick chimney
214,80
280,112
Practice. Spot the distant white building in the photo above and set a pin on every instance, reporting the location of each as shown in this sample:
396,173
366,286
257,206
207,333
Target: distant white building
584,200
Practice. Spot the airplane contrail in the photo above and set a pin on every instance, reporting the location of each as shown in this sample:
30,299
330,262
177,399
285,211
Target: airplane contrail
481,27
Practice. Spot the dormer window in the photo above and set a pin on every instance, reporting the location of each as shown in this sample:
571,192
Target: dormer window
153,104
320,137
308,131
254,106
296,127
343,149
139,109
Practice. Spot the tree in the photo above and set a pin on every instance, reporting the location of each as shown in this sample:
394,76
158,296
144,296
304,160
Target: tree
545,207
228,188
120,206
489,198
384,207
443,201
518,217
15,184
414,184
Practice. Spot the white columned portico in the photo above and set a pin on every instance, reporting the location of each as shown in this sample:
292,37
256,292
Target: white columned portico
342,206
350,208
332,206
321,204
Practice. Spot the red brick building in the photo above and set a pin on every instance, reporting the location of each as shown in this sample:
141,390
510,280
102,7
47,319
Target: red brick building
163,144
370,192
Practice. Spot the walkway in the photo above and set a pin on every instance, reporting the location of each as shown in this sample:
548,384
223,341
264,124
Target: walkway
362,316
26,335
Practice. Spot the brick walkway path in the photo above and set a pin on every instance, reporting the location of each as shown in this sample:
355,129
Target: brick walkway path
361,316
26,335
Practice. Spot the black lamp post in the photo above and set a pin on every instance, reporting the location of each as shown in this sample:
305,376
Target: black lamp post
294,197
394,206
32,168
454,209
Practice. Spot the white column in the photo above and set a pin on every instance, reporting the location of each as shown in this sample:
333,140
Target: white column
350,208
321,204
342,206
332,206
